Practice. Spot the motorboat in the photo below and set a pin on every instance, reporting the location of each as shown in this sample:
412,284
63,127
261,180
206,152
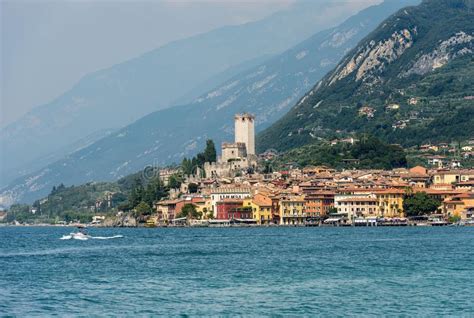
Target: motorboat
79,236
82,235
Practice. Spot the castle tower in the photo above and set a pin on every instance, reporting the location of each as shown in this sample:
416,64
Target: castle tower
245,131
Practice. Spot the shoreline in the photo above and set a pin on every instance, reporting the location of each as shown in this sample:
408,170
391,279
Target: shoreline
242,225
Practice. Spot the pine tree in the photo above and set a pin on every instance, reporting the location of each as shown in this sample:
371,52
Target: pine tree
137,192
210,154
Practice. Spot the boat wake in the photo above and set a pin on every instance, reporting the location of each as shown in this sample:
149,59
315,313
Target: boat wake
74,236
106,237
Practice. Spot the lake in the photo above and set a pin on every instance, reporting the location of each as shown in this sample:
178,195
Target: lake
238,271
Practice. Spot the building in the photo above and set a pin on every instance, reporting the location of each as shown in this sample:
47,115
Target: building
390,203
461,205
225,207
465,185
451,176
165,175
232,192
356,205
419,170
367,111
437,161
393,106
167,210
275,208
261,207
202,205
318,204
292,210
416,180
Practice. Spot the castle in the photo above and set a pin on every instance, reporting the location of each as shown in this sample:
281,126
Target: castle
239,155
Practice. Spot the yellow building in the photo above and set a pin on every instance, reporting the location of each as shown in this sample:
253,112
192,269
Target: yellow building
390,203
203,205
387,203
261,208
292,210
461,205
451,176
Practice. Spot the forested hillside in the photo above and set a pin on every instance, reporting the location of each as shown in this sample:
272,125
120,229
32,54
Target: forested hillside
410,81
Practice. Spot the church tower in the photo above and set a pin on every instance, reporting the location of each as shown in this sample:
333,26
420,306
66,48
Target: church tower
245,131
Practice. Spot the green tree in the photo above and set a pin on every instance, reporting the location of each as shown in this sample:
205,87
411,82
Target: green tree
189,211
175,181
154,191
118,198
332,210
143,209
454,219
420,203
124,207
200,160
193,188
210,154
187,166
373,153
268,168
136,195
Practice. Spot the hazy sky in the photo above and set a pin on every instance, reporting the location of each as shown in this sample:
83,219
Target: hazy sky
47,46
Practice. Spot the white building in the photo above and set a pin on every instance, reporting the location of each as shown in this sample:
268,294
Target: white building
356,205
222,193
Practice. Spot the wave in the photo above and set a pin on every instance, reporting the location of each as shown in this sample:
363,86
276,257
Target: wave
106,237
87,237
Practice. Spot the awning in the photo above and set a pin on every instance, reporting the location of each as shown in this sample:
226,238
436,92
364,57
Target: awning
218,221
245,220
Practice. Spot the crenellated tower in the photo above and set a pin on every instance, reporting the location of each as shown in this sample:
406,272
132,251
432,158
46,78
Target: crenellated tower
245,131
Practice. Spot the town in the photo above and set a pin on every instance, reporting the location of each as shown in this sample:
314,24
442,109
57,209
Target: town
312,196
241,188
231,190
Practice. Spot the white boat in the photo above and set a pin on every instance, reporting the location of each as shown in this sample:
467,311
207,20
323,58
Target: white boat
79,236
83,236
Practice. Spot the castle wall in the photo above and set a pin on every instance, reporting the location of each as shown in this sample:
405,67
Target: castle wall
233,151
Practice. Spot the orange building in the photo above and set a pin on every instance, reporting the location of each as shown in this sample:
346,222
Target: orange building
461,205
317,204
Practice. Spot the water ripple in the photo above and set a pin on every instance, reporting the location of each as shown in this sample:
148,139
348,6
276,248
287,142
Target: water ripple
238,271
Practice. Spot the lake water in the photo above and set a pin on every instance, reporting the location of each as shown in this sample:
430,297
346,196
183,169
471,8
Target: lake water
232,271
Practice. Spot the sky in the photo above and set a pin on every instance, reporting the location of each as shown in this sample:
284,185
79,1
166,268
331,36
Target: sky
47,46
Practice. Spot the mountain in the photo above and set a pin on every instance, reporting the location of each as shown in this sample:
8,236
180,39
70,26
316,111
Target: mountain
168,135
410,81
121,94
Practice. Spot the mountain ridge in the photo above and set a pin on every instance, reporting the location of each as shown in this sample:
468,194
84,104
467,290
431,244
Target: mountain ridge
397,62
168,135
118,95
